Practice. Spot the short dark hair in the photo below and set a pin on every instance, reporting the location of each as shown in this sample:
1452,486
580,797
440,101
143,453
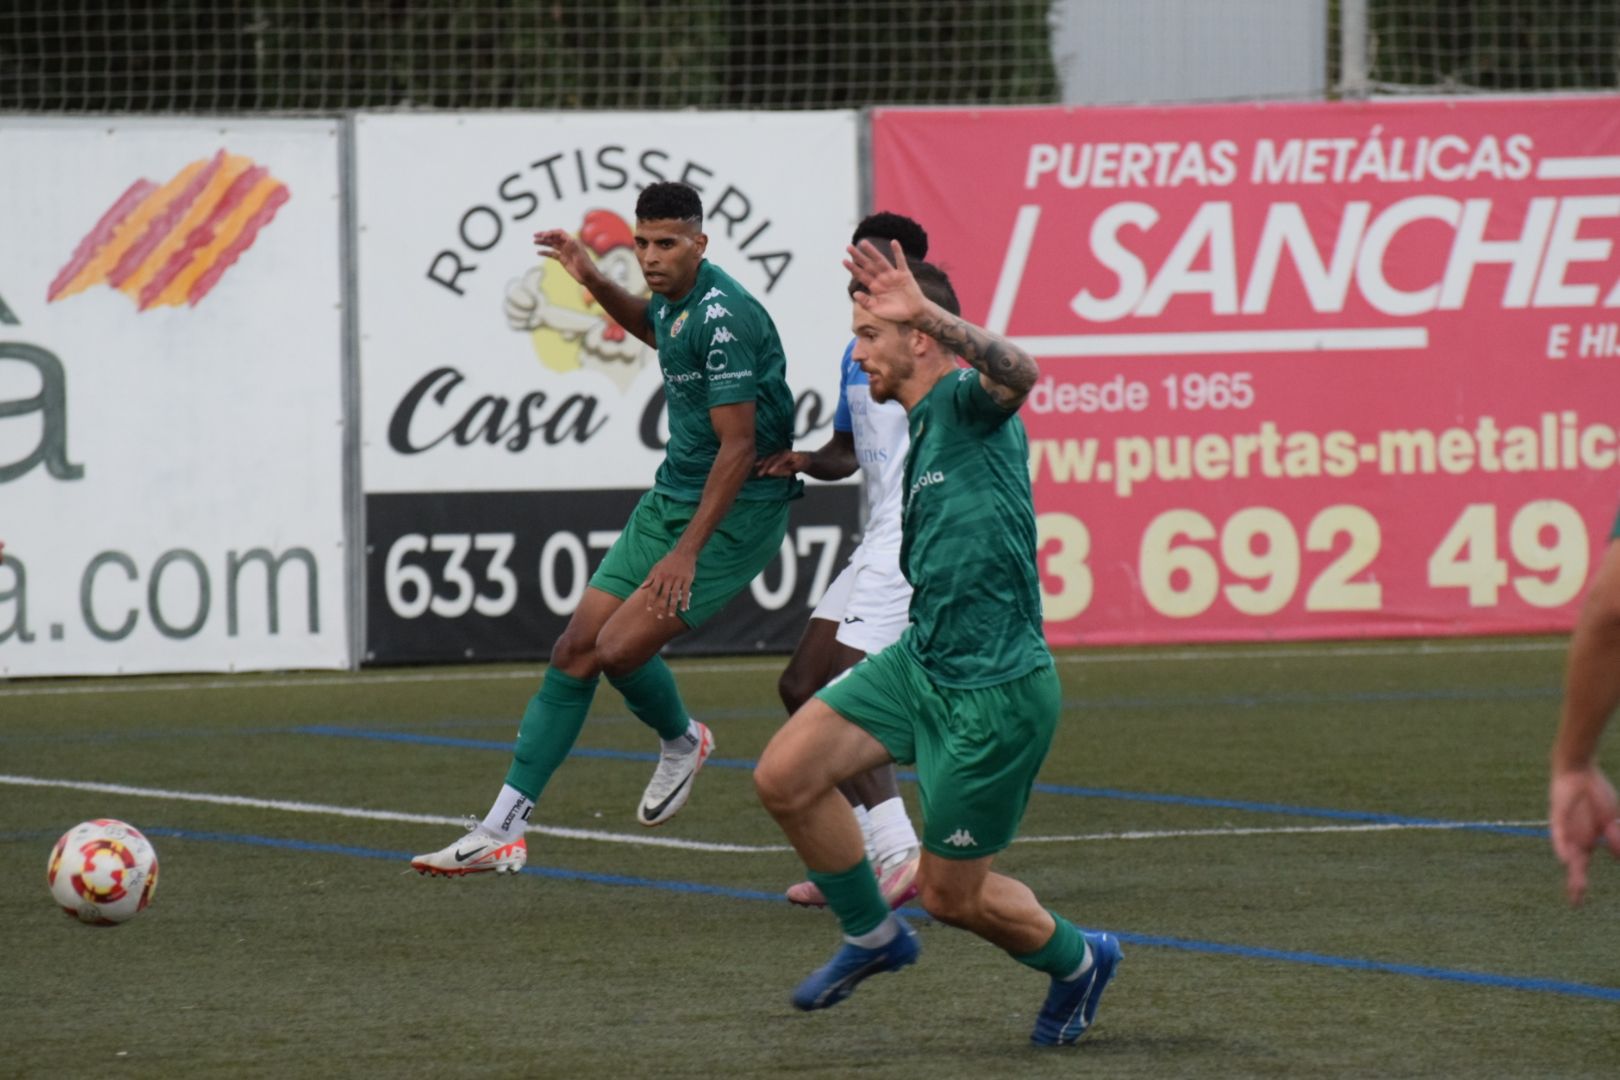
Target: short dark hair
669,200
934,283
886,226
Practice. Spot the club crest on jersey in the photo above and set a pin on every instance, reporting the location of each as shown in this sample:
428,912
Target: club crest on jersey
680,321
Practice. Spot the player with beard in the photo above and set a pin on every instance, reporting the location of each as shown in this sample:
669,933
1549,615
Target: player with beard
969,692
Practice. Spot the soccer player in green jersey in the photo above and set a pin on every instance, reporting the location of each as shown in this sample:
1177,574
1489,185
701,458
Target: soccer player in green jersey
703,532
1581,806
969,692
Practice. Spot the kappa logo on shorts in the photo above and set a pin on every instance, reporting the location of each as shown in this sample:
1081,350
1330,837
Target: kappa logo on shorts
961,838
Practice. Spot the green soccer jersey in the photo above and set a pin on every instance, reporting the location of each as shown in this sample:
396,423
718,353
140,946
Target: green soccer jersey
968,544
718,346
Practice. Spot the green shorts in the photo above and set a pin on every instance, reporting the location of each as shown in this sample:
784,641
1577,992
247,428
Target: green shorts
977,750
747,539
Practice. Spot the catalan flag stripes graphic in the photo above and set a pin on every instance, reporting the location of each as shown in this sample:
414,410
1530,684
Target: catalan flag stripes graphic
167,245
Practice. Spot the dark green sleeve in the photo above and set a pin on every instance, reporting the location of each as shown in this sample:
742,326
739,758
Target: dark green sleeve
975,408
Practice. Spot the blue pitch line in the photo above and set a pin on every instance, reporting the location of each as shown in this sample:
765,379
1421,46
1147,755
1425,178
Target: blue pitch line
1345,963
1068,790
1103,704
1317,697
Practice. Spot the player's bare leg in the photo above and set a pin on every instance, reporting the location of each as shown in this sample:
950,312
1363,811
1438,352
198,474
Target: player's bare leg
797,779
890,841
967,893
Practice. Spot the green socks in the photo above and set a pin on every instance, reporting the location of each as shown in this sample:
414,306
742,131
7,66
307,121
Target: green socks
555,715
1063,956
550,725
854,897
650,692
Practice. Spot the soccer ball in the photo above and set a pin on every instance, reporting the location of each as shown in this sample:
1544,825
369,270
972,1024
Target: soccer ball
103,872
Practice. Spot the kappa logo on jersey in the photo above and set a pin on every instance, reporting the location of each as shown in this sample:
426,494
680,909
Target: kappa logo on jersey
713,312
680,321
711,294
722,336
961,838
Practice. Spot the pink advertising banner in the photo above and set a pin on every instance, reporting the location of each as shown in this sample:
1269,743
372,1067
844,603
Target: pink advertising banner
1308,371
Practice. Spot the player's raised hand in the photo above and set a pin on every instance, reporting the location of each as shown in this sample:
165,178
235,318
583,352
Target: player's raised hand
1581,811
559,245
891,292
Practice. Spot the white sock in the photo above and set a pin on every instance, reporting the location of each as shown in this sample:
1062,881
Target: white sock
876,939
1085,966
865,823
510,813
892,833
683,743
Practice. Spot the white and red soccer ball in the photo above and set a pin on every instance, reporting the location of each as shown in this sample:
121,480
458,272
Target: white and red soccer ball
103,872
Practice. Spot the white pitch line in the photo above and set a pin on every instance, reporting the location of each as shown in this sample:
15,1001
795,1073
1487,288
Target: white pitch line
1085,655
1279,830
293,807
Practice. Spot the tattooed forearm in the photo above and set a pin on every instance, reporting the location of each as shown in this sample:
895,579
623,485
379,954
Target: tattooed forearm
998,359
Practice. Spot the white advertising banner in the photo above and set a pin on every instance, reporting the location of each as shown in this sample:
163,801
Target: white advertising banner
508,425
487,368
170,396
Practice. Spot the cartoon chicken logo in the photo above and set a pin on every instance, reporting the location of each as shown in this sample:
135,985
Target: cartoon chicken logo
567,326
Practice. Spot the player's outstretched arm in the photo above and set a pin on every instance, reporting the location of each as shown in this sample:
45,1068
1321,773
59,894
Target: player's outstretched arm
833,461
625,309
1006,371
1581,805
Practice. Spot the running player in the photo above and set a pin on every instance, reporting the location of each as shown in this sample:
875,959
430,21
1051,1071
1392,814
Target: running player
969,692
707,527
864,610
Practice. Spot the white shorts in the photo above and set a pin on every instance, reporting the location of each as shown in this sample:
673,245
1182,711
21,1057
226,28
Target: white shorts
870,600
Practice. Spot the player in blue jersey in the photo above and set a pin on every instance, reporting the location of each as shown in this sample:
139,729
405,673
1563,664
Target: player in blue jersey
865,609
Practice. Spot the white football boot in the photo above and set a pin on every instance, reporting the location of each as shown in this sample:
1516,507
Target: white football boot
479,852
671,782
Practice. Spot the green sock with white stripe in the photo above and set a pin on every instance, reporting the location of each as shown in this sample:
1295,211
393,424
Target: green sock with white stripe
854,897
1064,956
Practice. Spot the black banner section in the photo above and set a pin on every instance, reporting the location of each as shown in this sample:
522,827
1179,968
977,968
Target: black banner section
495,575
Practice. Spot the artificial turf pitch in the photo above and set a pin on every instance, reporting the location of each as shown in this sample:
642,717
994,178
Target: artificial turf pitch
1324,860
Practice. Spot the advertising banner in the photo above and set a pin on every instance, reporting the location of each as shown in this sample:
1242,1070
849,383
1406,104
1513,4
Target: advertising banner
495,388
170,396
1307,370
